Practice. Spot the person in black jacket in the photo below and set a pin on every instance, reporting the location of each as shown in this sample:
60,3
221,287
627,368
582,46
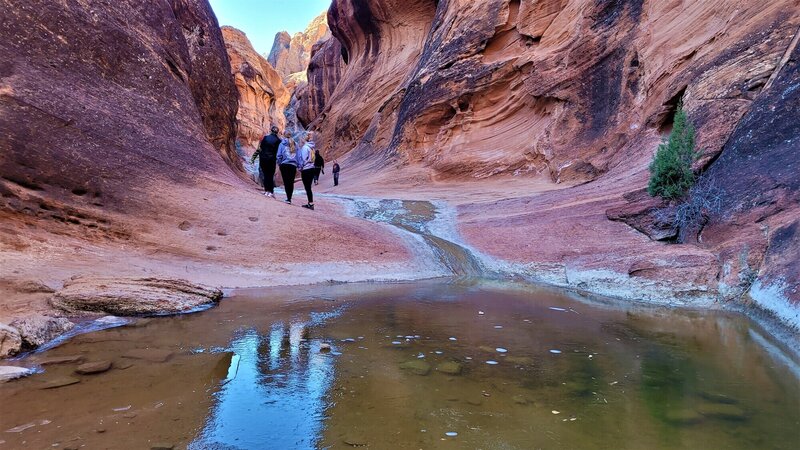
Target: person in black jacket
319,166
267,153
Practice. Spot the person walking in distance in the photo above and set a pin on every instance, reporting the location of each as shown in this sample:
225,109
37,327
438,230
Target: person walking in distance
336,170
287,161
268,153
305,161
319,165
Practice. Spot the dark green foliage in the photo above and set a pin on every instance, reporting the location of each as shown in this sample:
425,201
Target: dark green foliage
671,174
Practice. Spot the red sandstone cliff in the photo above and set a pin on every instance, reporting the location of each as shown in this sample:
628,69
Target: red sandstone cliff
581,92
262,95
290,54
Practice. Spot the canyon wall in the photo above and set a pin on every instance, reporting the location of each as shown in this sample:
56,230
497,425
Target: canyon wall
580,93
262,95
106,103
290,54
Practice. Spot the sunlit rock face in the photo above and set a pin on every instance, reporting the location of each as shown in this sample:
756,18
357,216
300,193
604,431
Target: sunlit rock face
105,104
290,54
570,88
578,91
262,95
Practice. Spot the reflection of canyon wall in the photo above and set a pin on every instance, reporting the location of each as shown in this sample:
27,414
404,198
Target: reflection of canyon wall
582,91
262,95
110,103
290,54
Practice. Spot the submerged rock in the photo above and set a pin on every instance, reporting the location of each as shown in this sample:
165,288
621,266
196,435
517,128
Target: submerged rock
54,360
148,354
60,382
683,416
450,368
134,296
724,411
417,367
92,368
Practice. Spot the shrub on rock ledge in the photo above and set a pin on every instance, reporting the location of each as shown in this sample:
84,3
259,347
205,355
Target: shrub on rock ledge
671,174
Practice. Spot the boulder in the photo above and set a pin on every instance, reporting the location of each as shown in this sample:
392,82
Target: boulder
38,329
133,296
10,341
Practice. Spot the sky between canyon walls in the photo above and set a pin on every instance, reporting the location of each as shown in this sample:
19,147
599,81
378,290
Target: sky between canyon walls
262,19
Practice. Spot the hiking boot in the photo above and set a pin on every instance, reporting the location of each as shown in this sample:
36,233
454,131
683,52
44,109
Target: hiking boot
287,201
309,206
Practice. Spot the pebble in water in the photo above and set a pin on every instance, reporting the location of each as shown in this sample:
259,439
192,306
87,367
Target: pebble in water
497,327
492,363
453,339
501,350
558,309
438,352
451,434
396,342
480,313
555,412
555,352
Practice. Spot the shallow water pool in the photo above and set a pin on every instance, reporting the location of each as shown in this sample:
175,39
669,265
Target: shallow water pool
410,366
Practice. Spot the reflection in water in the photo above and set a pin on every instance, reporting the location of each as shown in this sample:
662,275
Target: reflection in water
276,399
409,370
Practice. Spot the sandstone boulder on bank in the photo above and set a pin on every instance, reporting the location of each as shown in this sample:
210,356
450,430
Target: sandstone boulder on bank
10,341
133,296
38,329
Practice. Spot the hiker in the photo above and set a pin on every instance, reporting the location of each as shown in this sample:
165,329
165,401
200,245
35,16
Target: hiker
319,165
305,161
267,153
287,161
336,170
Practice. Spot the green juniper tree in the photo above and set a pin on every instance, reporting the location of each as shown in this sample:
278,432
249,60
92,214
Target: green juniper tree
671,174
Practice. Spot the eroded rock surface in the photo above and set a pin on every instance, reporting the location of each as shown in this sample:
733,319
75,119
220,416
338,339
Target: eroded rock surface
127,297
10,341
290,54
38,329
262,95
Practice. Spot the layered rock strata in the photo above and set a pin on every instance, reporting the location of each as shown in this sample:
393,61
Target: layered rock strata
262,95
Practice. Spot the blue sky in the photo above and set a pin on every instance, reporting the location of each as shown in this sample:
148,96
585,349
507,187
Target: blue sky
262,19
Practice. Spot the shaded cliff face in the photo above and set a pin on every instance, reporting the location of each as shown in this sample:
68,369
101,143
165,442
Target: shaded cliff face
262,95
581,92
106,102
290,54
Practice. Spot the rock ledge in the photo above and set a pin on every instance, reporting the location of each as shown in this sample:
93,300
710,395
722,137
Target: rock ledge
134,296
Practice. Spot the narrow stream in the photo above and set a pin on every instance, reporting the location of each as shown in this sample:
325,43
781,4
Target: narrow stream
418,218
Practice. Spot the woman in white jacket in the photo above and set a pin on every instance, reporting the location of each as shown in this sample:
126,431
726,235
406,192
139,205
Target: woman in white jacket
305,161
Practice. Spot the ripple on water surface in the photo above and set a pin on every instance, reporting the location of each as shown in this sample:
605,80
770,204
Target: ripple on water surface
393,367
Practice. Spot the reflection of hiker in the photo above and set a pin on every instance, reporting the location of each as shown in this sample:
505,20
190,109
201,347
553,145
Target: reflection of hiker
267,153
319,165
305,160
287,160
336,170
